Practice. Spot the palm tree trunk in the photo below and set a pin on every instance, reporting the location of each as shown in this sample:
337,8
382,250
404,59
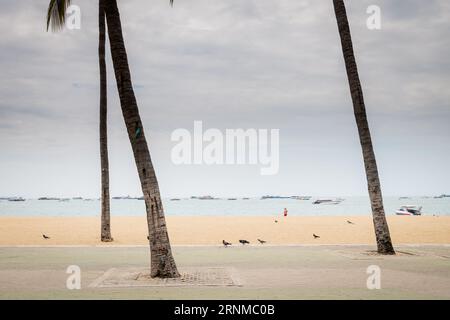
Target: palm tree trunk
162,261
382,234
105,233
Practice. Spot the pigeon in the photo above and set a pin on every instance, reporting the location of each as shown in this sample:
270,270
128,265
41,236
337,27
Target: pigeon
148,237
315,236
261,241
244,242
225,243
45,237
349,222
276,221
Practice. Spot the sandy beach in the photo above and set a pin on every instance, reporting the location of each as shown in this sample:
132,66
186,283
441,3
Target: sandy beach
209,230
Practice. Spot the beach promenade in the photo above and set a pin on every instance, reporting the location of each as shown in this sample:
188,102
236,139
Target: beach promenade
277,272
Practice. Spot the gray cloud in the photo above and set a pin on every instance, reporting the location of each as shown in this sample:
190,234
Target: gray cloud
258,64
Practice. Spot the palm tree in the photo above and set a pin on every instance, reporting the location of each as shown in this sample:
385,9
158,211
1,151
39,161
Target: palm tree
162,261
105,231
384,243
56,18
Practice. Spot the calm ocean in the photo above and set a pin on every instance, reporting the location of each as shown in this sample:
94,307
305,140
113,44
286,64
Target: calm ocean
251,207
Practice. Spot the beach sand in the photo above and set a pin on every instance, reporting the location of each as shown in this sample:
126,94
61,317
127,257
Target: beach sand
210,230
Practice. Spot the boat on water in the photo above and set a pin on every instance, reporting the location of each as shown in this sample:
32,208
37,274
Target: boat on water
442,196
232,199
274,197
18,199
206,198
123,198
175,199
301,197
328,201
127,198
409,210
48,198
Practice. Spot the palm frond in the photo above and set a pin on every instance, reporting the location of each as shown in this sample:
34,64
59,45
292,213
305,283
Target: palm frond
56,14
171,3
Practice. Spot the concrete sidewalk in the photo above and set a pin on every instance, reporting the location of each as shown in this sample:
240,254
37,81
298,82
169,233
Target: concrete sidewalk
276,272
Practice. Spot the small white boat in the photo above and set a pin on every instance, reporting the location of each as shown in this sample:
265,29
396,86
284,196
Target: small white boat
328,201
409,211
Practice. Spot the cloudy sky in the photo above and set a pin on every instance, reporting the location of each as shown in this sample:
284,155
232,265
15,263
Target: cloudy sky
232,64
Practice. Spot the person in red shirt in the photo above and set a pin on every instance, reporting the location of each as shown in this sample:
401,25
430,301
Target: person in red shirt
285,212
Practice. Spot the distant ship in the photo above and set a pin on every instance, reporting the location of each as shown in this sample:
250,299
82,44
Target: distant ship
206,198
175,199
48,198
274,197
442,196
301,197
328,201
128,198
16,199
122,198
232,199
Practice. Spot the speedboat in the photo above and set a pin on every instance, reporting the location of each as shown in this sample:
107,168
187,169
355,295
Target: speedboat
409,211
328,201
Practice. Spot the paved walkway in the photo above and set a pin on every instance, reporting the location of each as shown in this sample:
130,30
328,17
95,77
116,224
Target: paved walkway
275,272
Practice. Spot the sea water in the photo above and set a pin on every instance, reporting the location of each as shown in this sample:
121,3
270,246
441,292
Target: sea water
222,207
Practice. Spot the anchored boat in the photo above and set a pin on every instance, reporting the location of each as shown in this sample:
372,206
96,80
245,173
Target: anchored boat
409,211
328,201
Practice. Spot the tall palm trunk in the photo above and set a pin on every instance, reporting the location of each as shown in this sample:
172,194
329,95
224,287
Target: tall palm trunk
105,233
162,261
382,234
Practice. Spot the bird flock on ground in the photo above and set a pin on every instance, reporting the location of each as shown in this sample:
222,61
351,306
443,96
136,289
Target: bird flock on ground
244,242
241,241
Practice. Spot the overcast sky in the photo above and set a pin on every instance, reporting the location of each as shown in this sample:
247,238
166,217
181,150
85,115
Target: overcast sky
260,64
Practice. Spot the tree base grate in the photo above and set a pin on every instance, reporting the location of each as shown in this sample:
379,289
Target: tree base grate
140,277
